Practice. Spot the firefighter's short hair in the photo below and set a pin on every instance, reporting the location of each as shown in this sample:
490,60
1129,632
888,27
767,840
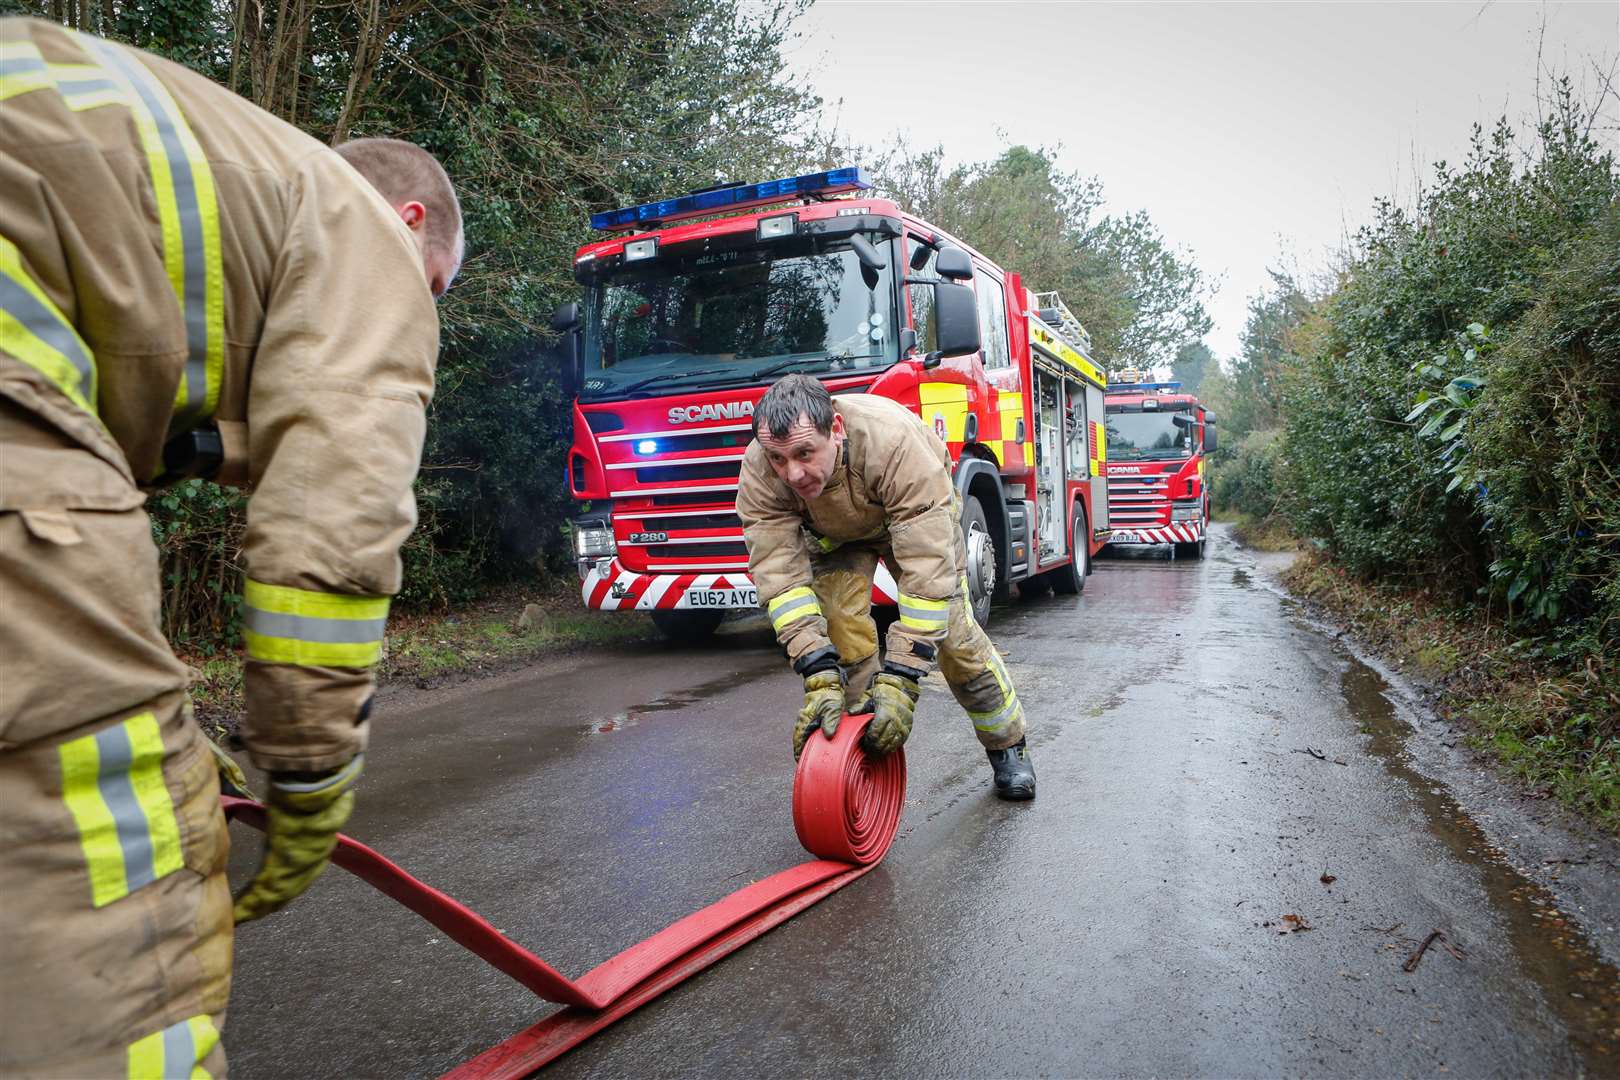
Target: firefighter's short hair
789,398
404,172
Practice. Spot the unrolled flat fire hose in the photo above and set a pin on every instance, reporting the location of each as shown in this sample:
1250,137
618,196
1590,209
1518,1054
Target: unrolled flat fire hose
846,810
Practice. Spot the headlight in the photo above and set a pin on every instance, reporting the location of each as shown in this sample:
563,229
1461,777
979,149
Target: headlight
1187,511
594,542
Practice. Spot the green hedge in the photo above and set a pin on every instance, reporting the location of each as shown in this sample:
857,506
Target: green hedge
1460,425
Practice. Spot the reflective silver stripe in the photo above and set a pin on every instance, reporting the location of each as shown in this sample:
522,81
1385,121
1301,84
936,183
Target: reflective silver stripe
117,755
309,628
85,86
337,779
783,613
992,722
933,615
179,1051
194,296
11,66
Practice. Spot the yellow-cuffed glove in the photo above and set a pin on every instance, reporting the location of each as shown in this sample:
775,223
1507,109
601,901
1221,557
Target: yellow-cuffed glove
305,814
892,700
823,708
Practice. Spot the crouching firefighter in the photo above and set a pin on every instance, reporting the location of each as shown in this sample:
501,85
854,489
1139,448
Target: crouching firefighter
827,489
188,287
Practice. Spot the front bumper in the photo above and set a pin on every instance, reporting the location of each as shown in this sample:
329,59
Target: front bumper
1180,532
608,586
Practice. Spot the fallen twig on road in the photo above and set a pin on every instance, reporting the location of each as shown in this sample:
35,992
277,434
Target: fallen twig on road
1423,947
1319,756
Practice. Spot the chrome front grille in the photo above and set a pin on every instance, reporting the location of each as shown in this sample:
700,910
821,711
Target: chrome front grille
1138,500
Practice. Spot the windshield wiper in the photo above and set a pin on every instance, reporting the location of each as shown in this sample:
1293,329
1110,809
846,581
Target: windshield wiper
664,376
796,361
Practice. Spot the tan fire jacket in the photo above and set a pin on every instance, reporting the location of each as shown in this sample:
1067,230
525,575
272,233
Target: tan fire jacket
891,488
170,254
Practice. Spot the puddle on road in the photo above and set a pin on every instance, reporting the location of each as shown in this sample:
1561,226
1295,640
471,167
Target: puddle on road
1576,984
680,699
1241,578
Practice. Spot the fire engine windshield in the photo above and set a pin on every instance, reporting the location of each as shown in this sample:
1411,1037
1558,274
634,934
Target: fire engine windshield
1151,434
726,317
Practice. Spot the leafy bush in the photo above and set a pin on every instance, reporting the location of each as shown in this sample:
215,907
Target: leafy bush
197,527
1245,480
1506,484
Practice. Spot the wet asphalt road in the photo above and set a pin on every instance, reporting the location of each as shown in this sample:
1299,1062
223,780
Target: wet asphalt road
1131,921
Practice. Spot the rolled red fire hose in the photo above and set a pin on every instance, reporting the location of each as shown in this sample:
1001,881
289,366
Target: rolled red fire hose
846,810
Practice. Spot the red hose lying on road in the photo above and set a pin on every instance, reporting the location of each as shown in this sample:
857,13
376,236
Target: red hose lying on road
846,809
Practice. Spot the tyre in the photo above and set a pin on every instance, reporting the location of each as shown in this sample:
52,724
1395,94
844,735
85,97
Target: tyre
1190,551
981,557
1071,579
687,625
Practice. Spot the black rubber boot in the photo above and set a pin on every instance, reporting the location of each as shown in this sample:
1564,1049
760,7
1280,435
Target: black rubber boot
1015,773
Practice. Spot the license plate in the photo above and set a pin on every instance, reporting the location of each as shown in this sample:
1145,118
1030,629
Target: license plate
722,598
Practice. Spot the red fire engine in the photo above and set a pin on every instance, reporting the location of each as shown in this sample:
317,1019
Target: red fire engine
682,328
1157,440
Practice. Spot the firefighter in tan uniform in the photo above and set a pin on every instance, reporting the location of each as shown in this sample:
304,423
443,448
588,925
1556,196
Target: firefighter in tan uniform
827,489
188,286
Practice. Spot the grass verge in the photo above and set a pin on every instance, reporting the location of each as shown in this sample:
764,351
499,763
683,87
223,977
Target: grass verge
484,636
1262,534
1553,724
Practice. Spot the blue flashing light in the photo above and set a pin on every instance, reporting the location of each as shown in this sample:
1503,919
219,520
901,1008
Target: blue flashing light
647,446
1145,388
735,197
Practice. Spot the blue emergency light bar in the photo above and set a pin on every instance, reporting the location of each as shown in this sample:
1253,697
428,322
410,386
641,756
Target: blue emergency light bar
1145,388
734,197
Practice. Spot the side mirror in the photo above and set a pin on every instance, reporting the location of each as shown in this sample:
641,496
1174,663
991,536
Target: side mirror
565,320
1209,433
566,317
956,319
954,264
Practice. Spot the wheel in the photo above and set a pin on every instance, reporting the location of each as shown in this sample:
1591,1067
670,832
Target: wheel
1071,579
981,557
682,624
1190,551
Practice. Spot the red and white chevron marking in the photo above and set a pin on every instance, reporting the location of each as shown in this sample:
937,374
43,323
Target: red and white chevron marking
613,588
1188,532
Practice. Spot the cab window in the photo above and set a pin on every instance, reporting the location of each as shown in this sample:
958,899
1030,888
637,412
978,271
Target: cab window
992,319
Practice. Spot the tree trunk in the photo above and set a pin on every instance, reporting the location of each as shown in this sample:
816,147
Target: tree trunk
368,45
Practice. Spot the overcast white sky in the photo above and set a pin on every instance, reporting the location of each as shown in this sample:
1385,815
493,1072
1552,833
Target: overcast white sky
1250,132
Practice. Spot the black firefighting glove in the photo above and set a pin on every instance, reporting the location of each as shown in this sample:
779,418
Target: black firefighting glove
823,697
891,700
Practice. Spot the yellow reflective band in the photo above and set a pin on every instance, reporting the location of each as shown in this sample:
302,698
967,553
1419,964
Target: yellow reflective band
81,86
112,783
284,625
788,607
22,69
920,614
188,213
34,330
175,1053
204,1036
996,719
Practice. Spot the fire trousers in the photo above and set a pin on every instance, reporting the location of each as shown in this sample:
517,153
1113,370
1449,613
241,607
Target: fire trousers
115,915
842,582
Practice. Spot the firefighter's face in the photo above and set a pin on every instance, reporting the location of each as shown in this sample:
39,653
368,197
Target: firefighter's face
805,458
